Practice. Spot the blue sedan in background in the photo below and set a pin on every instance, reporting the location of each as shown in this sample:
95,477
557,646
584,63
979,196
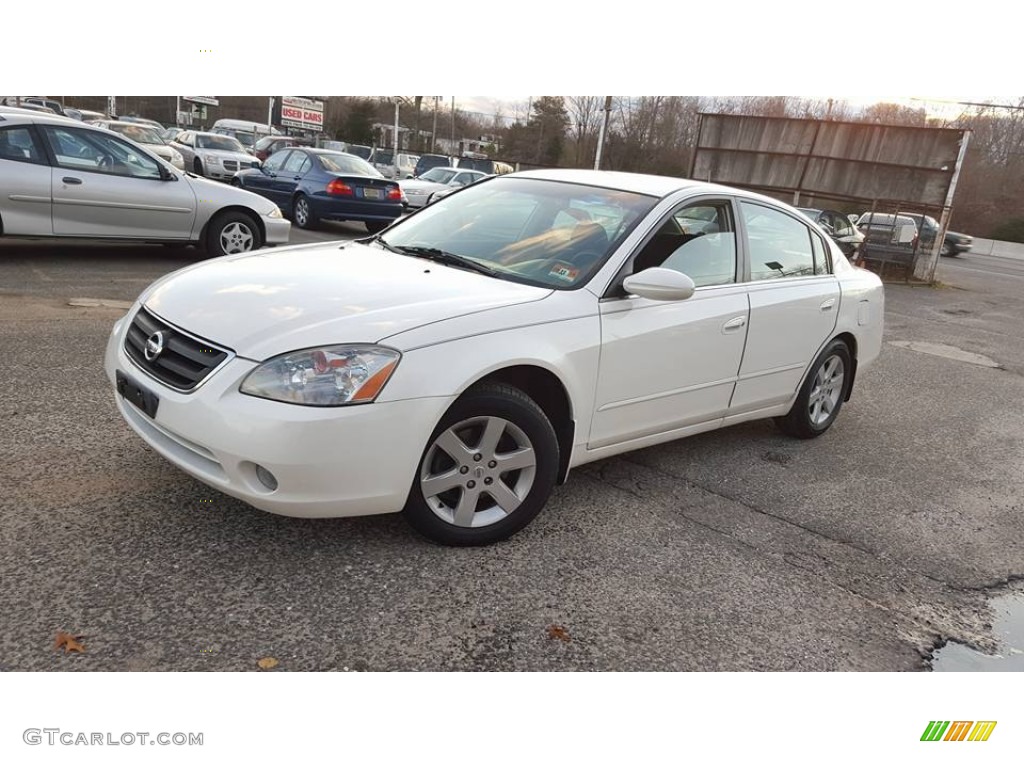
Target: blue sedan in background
310,185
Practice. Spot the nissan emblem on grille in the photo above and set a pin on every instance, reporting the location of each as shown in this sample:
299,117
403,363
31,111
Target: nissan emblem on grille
154,346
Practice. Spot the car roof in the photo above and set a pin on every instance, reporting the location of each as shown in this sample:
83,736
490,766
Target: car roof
639,183
16,114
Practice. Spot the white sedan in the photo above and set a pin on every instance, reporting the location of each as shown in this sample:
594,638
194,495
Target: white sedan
459,364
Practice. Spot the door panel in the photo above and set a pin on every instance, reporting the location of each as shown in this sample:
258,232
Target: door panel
666,365
102,205
105,187
789,321
25,201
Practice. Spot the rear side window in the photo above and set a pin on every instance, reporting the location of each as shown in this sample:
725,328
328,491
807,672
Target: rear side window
780,246
18,144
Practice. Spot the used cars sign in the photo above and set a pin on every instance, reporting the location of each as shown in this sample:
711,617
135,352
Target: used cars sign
297,112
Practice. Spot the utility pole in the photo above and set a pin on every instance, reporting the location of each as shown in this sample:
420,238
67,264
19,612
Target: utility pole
925,268
453,127
394,158
433,131
600,135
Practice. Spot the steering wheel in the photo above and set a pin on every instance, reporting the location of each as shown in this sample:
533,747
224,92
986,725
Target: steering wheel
105,161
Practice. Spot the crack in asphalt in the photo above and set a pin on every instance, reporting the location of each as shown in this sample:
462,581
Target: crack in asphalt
932,636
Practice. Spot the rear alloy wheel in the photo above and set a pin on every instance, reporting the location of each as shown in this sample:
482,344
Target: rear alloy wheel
302,213
487,470
822,394
946,250
373,227
232,232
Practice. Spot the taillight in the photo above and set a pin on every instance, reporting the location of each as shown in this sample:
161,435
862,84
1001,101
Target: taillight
339,187
394,193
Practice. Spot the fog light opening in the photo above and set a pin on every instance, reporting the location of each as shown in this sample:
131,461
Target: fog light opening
265,476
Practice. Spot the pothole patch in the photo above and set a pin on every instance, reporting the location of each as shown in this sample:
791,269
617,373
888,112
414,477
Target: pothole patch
948,352
1008,628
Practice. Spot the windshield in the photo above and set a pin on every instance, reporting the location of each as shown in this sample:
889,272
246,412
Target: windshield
360,151
212,141
532,231
338,162
383,157
440,175
140,133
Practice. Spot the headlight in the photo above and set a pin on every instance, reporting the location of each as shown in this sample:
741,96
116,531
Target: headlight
210,158
341,375
275,214
176,156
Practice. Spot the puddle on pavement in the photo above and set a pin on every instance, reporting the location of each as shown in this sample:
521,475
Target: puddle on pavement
1008,628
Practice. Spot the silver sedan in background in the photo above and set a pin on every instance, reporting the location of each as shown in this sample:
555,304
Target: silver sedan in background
418,191
146,136
60,178
213,155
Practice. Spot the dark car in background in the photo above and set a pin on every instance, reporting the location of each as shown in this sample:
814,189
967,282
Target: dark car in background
428,162
361,151
311,185
837,226
952,244
268,145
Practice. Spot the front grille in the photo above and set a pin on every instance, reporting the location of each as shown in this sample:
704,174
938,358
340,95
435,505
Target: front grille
230,165
185,361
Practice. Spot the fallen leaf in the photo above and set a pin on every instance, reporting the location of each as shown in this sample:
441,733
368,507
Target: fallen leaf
558,632
69,642
268,662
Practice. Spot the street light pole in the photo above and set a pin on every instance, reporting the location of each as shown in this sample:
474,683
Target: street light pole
600,135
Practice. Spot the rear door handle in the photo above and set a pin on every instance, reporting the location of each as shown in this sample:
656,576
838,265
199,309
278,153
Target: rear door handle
71,180
734,325
827,304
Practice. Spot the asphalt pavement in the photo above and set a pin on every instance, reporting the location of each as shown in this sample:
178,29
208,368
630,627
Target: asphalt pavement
737,550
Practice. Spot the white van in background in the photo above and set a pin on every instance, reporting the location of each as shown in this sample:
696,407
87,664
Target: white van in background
402,166
247,132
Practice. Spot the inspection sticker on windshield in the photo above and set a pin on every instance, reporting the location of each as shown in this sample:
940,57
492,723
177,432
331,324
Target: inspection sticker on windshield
564,272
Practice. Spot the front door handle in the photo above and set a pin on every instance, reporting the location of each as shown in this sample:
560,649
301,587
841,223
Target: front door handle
827,304
71,180
734,325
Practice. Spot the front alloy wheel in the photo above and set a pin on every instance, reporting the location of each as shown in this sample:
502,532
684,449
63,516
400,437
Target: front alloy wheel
487,470
232,232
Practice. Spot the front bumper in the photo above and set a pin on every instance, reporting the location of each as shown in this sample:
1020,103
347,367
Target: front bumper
278,230
328,462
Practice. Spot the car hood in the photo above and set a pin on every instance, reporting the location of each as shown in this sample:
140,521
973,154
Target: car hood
219,194
224,154
161,150
278,300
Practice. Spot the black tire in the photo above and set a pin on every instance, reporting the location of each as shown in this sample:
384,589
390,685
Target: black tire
232,227
946,250
197,167
373,227
523,426
302,213
803,420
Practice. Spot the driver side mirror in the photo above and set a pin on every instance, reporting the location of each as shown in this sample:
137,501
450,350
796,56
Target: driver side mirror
660,284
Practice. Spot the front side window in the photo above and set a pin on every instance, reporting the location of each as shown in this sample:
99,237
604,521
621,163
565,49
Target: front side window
276,161
526,230
81,150
697,240
780,246
18,144
297,163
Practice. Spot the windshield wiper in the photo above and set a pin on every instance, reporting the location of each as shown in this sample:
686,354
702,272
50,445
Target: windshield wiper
386,245
443,257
